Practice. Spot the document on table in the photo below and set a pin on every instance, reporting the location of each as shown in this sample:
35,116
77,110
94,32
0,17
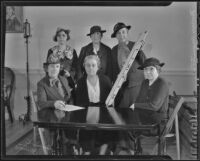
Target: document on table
72,108
93,115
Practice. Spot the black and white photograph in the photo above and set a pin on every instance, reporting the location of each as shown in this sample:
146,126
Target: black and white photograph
100,80
14,19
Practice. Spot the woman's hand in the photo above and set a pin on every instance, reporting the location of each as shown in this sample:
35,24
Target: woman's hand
60,105
66,73
59,114
125,77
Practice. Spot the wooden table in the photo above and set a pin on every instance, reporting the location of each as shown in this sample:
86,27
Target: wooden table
110,119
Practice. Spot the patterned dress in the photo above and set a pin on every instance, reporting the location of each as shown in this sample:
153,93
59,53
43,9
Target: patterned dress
68,59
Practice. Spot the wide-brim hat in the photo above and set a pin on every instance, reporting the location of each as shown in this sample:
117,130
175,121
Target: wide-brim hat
59,29
94,29
151,62
51,60
119,26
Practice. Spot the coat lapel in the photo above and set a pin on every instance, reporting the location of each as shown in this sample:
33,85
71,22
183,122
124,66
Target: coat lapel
86,89
52,90
101,88
65,85
90,49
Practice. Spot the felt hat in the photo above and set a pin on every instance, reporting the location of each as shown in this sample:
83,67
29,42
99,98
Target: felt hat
119,26
94,29
151,62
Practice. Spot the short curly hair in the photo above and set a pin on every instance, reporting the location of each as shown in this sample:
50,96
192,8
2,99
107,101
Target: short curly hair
60,30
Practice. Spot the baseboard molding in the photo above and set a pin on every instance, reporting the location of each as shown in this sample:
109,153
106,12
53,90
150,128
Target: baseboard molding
179,72
175,72
31,71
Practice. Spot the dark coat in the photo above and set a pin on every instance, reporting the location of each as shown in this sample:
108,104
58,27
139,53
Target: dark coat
104,54
88,138
152,101
134,75
82,97
47,94
130,88
151,107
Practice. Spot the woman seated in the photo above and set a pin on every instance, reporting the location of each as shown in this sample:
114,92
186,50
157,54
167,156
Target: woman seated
151,105
53,93
153,98
92,90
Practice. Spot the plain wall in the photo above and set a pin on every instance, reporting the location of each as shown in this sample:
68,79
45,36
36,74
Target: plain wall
171,38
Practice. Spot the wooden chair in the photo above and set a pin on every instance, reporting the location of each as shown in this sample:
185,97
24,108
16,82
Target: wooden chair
175,104
9,86
33,98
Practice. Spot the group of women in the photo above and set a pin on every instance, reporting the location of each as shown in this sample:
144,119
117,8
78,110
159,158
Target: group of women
87,79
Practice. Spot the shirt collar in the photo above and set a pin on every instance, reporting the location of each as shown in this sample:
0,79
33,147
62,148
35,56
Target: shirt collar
52,81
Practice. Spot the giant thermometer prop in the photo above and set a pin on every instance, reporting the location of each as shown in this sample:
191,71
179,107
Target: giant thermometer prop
122,75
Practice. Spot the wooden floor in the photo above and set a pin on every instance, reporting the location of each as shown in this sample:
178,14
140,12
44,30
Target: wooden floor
149,143
24,145
16,132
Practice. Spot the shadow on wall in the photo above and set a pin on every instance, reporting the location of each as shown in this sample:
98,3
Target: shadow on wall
183,82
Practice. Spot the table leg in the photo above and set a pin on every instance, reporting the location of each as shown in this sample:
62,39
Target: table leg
159,141
138,146
59,142
35,137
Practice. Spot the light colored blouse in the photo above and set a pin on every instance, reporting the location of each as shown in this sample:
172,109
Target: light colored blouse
93,91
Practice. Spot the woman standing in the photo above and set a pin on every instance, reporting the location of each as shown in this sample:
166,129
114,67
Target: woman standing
120,52
96,47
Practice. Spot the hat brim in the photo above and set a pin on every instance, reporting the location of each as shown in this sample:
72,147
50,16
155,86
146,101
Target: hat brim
46,64
113,35
102,31
144,66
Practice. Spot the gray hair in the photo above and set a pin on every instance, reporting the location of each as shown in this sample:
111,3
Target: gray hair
94,57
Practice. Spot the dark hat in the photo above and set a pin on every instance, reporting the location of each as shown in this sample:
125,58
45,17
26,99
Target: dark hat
117,27
51,60
59,29
151,62
94,29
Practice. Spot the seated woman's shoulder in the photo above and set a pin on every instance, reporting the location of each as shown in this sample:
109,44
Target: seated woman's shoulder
63,78
104,77
41,81
163,81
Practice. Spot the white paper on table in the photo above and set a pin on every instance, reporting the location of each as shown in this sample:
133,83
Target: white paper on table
93,115
72,108
132,106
